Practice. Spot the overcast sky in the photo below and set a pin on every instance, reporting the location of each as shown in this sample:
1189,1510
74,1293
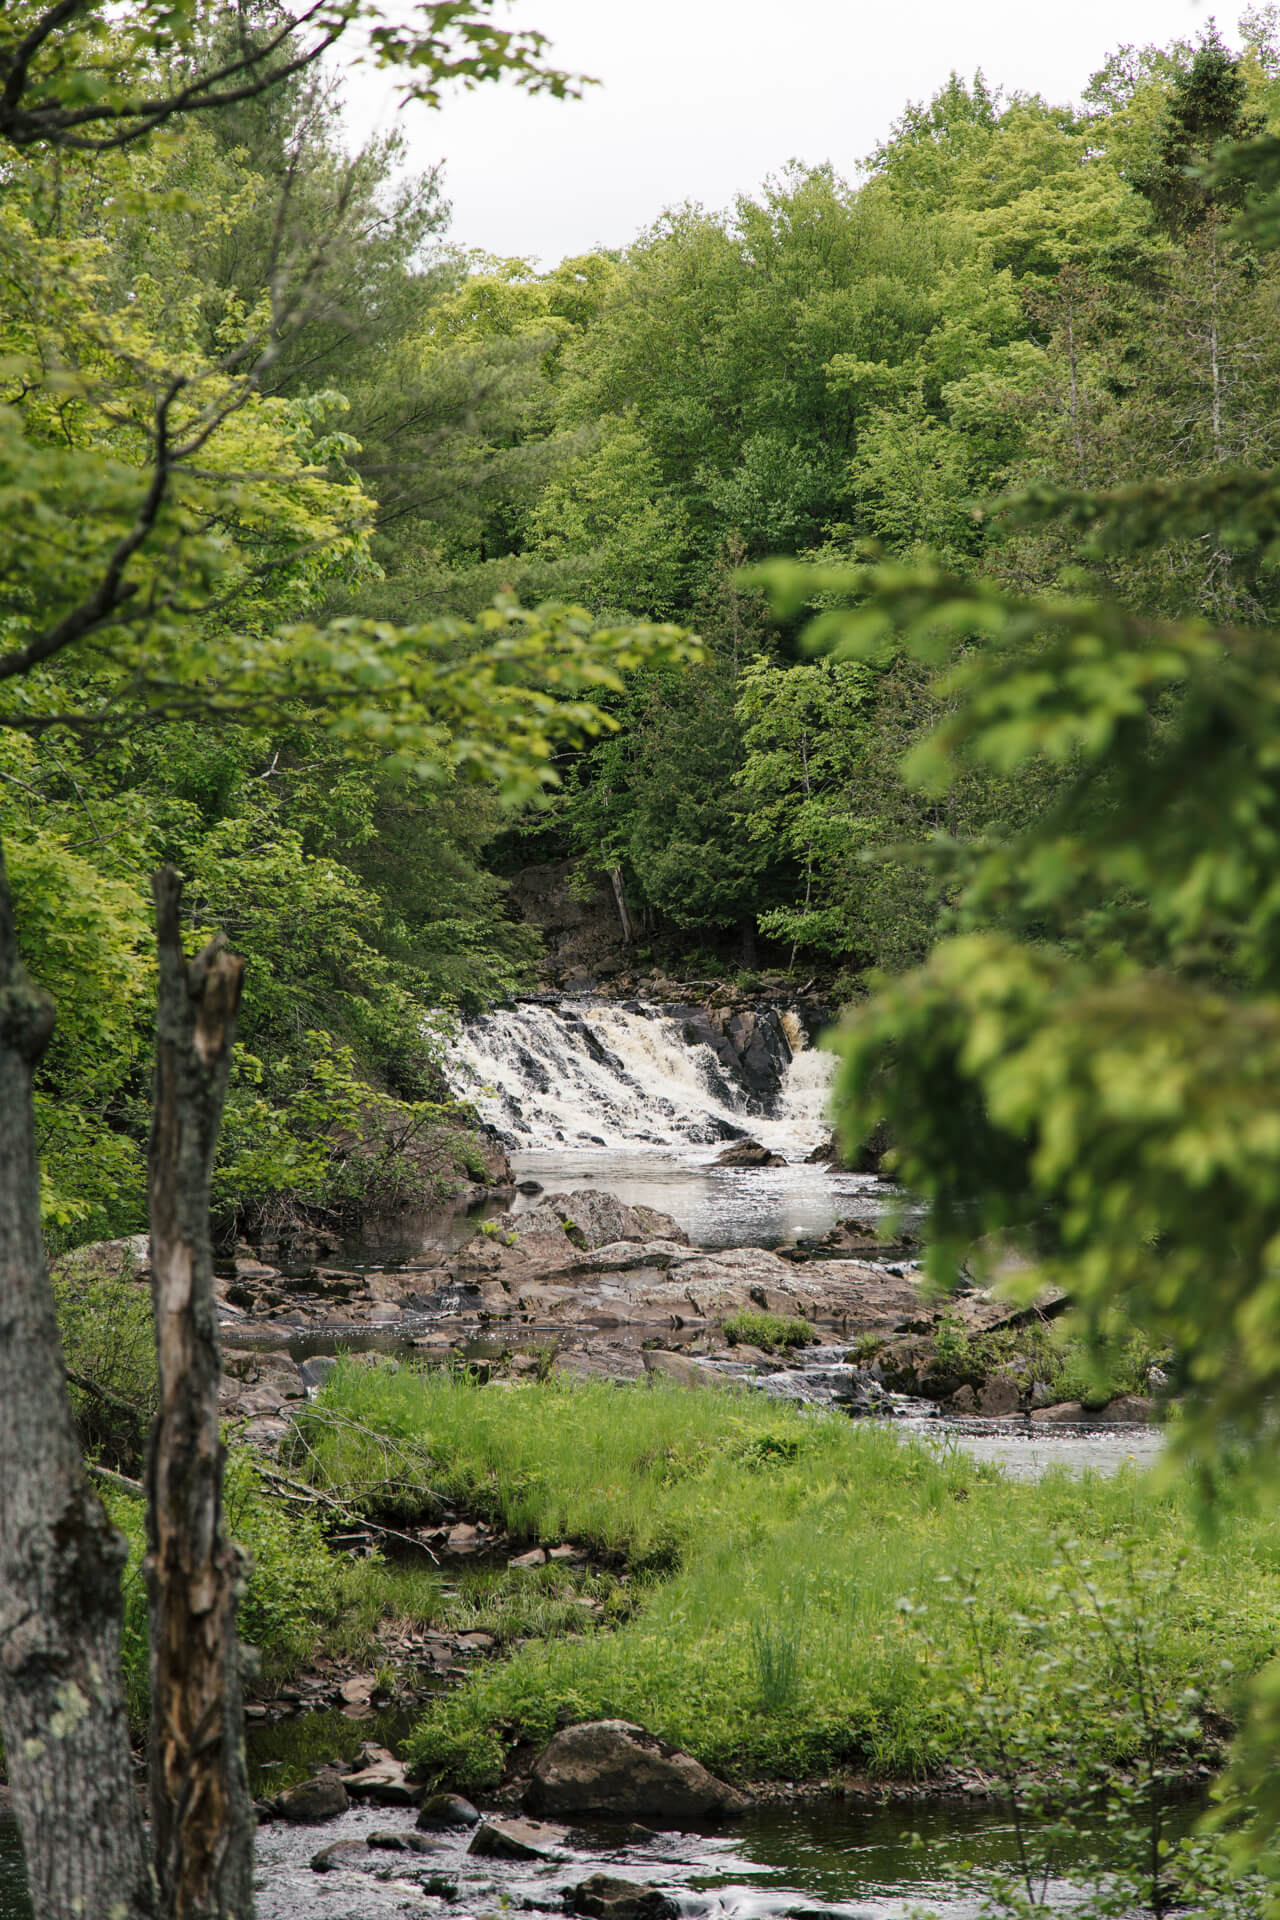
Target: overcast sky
702,99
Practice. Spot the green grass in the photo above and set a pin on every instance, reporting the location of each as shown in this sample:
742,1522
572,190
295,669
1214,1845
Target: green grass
767,1331
794,1618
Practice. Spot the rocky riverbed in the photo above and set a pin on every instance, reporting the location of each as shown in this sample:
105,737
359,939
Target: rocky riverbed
583,1284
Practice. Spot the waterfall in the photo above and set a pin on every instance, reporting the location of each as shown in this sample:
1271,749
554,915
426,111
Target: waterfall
605,1076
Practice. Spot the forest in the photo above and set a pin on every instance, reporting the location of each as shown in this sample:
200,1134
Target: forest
1014,298
871,585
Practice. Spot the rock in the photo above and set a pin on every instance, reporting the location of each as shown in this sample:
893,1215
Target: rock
684,1373
516,1839
359,1690
383,1782
339,1853
592,1218
535,1557
248,1268
749,1153
439,1886
963,1401
612,1767
998,1396
128,1259
464,1538
609,1835
1126,1408
406,1840
315,1801
869,1157
1129,1409
446,1813
611,1899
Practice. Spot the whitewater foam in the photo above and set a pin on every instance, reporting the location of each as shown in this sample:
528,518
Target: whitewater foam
609,1078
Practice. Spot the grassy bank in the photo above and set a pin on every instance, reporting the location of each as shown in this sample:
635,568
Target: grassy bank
810,1595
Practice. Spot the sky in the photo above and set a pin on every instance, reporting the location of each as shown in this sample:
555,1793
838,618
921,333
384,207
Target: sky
701,100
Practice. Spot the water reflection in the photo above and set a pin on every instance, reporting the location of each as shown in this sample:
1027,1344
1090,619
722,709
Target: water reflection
719,1206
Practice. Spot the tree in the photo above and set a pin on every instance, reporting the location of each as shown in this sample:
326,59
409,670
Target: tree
1089,1062
167,522
75,76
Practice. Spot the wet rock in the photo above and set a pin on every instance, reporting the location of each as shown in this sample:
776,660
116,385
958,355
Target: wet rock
248,1267
384,1783
315,1801
609,1836
610,1899
338,1854
749,1153
612,1767
516,1839
439,1886
357,1693
535,1557
446,1813
406,1840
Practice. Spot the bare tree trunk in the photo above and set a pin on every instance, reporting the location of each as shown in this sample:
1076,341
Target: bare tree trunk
624,912
62,1709
202,1816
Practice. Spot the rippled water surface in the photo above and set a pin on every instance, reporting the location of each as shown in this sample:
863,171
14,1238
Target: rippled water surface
718,1206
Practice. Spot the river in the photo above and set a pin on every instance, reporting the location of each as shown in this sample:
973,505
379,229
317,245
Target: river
614,1097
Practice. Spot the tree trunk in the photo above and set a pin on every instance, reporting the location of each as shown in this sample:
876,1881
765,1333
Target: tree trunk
202,1816
62,1709
624,912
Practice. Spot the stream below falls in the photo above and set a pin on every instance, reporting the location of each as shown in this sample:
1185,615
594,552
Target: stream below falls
803,1862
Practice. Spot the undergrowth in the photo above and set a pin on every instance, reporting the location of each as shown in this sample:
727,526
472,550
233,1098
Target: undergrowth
802,1553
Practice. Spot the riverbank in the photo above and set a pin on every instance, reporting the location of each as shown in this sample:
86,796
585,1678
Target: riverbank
809,1597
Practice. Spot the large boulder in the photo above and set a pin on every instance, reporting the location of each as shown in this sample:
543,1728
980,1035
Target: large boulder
612,1768
592,1218
314,1801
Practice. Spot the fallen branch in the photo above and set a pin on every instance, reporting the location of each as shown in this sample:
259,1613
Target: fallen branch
121,1481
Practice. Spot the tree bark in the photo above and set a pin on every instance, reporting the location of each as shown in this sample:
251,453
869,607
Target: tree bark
202,1816
62,1708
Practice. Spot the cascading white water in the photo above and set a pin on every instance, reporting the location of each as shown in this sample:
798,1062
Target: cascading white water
615,1078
